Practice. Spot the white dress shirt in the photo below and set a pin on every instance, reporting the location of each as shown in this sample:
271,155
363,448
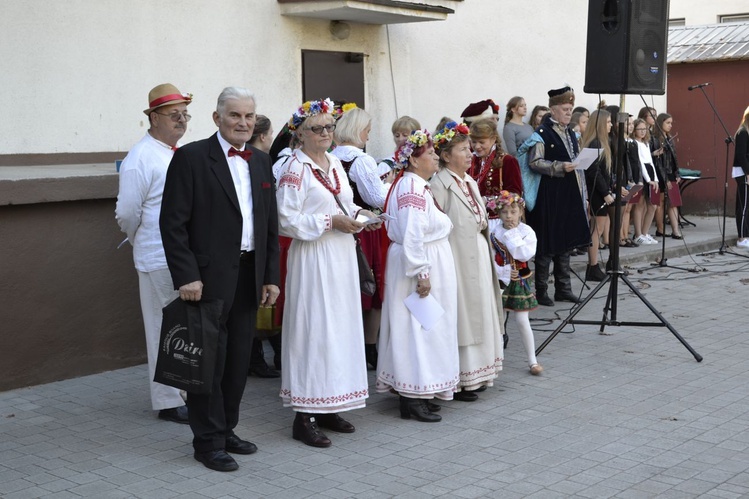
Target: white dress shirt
240,174
364,174
142,176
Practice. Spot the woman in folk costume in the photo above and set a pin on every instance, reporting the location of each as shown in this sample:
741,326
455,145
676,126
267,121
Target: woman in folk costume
417,363
492,169
323,366
479,310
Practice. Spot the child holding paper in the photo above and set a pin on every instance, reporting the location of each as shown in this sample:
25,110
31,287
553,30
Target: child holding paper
513,244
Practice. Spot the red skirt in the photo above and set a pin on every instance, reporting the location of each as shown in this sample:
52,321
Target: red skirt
374,244
284,244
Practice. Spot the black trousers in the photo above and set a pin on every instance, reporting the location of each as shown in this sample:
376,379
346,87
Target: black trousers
742,205
213,417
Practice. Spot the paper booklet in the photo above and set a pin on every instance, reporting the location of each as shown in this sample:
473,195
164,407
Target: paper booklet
426,310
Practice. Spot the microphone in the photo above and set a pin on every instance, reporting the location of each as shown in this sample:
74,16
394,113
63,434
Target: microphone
698,86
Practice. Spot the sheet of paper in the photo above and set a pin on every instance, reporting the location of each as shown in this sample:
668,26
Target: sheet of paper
632,192
425,310
736,172
586,158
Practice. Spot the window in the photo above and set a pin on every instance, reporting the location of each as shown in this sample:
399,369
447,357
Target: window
677,22
734,18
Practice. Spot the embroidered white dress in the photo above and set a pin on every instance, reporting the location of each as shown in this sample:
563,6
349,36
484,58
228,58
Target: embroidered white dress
415,362
323,364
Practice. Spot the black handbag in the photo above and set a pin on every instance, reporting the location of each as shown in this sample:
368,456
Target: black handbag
367,281
188,345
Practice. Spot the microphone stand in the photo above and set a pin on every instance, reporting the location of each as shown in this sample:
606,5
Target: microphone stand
728,140
616,273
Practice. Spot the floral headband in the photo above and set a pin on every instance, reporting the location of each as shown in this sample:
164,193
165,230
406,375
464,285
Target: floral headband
418,138
494,204
311,108
447,134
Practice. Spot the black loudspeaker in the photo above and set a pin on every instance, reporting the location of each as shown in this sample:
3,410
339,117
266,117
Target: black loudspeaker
626,52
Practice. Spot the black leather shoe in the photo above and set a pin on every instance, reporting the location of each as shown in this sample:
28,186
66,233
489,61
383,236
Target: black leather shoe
334,422
263,371
432,407
175,415
465,396
236,445
543,299
567,296
217,460
305,429
418,409
480,389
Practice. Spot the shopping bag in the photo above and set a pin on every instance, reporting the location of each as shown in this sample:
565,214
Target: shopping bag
188,344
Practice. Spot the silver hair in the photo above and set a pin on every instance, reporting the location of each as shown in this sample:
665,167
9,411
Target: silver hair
237,93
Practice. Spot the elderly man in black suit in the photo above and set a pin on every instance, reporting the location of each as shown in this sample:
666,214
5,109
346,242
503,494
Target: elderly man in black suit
219,226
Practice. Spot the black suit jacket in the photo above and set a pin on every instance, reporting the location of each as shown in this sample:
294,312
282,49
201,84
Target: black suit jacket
201,222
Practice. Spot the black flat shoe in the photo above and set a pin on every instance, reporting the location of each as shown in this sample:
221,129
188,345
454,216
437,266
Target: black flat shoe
263,371
334,422
236,445
305,429
566,296
465,396
480,389
175,415
661,234
677,236
417,408
217,460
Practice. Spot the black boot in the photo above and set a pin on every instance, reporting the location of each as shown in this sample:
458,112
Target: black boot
542,281
418,409
305,429
258,367
594,273
562,280
370,353
275,342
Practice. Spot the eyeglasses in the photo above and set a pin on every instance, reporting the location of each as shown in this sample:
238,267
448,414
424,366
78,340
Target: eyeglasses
319,128
175,117
640,129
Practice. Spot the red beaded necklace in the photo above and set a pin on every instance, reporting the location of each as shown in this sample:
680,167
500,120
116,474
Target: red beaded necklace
325,181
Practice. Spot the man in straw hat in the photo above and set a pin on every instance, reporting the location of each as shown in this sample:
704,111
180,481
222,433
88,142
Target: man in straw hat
219,224
558,217
142,177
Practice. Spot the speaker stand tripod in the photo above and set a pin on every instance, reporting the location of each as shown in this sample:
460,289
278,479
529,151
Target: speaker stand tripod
615,274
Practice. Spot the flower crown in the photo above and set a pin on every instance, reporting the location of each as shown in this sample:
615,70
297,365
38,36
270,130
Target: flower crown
444,136
311,108
418,138
348,107
494,204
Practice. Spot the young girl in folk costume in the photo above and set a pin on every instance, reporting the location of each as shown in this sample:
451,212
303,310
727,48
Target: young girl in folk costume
513,244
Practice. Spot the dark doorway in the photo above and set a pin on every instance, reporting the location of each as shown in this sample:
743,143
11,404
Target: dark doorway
338,75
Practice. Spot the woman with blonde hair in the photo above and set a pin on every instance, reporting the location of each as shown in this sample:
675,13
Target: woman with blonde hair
600,183
741,160
351,136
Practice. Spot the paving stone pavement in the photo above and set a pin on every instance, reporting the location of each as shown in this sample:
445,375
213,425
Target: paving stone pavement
630,415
